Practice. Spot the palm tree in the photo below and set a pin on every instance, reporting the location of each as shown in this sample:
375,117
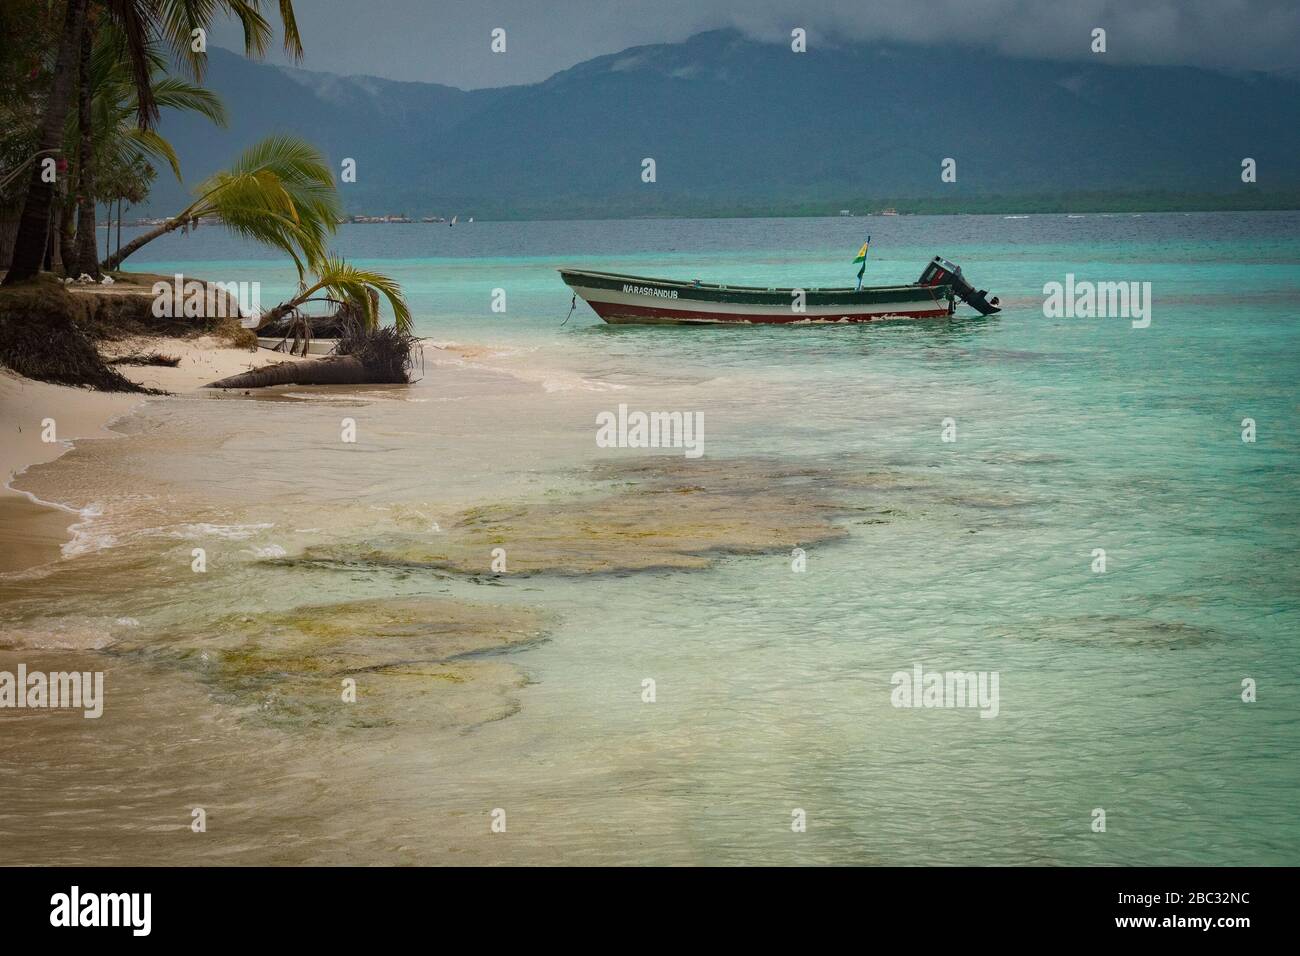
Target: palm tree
141,22
107,103
347,285
115,103
279,191
366,353
29,245
125,182
87,252
24,92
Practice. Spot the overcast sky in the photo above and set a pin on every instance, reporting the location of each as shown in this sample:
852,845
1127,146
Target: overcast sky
448,42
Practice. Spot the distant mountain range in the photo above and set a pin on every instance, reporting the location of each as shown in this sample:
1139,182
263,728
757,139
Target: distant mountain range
737,126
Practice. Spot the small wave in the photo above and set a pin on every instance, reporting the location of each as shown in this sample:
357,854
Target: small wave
58,505
346,399
585,384
232,532
85,538
270,551
66,634
89,536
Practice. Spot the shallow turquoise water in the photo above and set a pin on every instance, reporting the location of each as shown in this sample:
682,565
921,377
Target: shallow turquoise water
1119,690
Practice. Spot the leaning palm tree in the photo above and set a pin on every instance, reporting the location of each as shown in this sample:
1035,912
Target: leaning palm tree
348,287
364,354
171,21
280,191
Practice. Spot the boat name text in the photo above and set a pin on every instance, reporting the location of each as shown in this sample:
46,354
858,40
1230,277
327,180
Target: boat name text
647,290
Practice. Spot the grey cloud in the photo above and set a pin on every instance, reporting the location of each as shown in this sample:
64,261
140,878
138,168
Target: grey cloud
449,42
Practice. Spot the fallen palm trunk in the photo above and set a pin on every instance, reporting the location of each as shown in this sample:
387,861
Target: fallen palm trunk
366,356
331,370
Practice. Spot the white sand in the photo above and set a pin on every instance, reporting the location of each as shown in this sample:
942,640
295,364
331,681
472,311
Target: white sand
31,533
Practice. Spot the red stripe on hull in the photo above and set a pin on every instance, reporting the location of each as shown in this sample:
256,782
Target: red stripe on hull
614,312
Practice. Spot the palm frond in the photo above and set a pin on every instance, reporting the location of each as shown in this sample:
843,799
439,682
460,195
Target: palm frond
257,29
149,143
292,39
177,21
118,140
351,284
138,22
177,93
279,191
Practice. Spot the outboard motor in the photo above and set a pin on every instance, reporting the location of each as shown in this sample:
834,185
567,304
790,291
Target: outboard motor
942,272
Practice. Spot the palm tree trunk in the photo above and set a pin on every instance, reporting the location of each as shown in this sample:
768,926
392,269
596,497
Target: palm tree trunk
56,246
275,313
29,245
331,370
67,244
87,240
51,256
115,260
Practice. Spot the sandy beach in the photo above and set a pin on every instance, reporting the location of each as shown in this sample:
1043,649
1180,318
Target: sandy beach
32,532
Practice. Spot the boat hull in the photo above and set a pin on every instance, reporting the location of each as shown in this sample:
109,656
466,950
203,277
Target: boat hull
632,300
281,344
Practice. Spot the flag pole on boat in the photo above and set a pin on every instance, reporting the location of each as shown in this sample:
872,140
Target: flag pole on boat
862,257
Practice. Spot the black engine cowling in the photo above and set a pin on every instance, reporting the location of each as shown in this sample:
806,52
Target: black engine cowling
942,272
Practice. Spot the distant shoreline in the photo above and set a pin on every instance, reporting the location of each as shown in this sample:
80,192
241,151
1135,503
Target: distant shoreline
1009,211
426,210
864,210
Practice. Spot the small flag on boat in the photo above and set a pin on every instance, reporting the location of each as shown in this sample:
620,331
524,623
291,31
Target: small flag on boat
862,257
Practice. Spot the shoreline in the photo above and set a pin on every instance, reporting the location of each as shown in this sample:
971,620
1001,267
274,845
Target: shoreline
33,532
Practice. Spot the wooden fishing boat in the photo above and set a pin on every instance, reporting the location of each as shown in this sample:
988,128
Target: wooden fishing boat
637,300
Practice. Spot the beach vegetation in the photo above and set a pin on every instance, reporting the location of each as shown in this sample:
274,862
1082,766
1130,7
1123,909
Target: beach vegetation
109,61
51,331
144,25
42,336
115,156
